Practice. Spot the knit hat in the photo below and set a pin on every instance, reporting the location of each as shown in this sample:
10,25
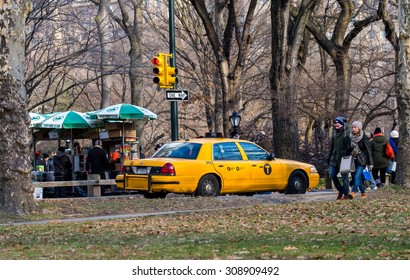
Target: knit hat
46,156
377,130
394,134
340,120
357,124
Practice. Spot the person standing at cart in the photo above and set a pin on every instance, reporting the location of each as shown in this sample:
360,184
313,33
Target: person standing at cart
62,171
97,161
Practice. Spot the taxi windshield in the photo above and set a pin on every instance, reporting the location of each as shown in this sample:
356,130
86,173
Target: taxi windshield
178,150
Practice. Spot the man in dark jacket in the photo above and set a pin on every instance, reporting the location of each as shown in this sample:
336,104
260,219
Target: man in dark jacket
62,171
97,161
339,144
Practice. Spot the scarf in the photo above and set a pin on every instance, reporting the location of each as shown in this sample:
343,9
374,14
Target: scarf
355,142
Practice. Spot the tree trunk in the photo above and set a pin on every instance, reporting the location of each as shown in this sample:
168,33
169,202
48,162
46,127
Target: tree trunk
132,26
230,71
286,43
103,20
16,191
403,88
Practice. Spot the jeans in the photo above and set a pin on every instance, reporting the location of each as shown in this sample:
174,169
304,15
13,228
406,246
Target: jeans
344,189
357,179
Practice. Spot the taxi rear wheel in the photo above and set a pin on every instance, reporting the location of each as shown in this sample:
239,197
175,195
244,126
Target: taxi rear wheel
208,186
297,183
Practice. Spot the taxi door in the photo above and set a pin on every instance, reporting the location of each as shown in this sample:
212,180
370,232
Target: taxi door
265,174
229,163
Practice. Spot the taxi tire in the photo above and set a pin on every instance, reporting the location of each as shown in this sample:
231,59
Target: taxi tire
208,186
297,183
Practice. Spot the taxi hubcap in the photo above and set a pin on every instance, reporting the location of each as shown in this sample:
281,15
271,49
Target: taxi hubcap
208,187
297,184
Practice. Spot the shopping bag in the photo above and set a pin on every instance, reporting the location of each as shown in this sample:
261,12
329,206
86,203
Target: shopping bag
347,165
393,166
366,174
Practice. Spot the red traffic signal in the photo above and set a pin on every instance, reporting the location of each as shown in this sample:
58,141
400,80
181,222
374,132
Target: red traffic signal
159,70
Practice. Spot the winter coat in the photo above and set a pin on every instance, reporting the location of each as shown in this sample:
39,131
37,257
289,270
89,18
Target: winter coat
97,161
380,160
339,145
365,156
394,142
62,167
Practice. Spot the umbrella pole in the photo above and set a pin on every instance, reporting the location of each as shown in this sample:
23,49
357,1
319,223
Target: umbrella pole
72,159
34,148
123,142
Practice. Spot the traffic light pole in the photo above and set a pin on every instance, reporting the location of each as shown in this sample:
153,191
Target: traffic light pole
173,104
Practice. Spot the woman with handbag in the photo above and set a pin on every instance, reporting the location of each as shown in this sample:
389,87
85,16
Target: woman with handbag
360,149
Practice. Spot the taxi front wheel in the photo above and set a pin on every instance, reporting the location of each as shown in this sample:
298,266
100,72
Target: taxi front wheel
208,186
297,183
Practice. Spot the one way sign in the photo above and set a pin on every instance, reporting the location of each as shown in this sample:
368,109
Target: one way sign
177,95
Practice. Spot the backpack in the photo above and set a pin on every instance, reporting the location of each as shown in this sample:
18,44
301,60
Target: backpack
389,151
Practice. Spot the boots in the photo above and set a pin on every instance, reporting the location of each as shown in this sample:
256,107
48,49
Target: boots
351,195
339,196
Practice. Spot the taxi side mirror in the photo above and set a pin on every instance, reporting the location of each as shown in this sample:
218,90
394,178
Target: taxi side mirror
271,156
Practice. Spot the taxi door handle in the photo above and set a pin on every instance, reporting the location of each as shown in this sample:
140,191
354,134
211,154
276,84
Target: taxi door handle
221,165
253,165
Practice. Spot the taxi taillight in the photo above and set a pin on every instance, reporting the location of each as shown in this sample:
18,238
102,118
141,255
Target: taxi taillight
168,169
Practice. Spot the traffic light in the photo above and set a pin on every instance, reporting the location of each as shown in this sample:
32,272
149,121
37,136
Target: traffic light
165,74
160,68
171,76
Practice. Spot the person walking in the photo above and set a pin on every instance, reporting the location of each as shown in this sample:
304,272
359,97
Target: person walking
372,182
97,162
339,145
361,150
394,142
380,160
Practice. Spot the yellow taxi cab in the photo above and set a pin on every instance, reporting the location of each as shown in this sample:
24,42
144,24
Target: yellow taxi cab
215,166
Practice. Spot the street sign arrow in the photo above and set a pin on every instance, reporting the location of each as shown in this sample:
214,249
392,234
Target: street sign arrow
177,95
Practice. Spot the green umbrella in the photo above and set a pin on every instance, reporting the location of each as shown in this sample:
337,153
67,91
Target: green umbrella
37,118
124,112
70,120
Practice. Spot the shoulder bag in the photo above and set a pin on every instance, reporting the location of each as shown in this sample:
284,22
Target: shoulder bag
347,165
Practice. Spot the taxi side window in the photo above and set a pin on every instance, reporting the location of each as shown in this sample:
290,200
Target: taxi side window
253,152
226,151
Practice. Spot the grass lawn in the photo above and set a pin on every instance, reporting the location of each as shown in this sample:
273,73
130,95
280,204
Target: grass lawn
377,228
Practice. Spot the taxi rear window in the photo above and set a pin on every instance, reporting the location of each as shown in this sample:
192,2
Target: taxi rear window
226,151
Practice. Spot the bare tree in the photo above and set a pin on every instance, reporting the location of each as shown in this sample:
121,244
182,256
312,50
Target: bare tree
230,71
16,191
103,25
404,94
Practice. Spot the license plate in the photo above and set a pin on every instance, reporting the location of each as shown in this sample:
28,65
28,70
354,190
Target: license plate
142,170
